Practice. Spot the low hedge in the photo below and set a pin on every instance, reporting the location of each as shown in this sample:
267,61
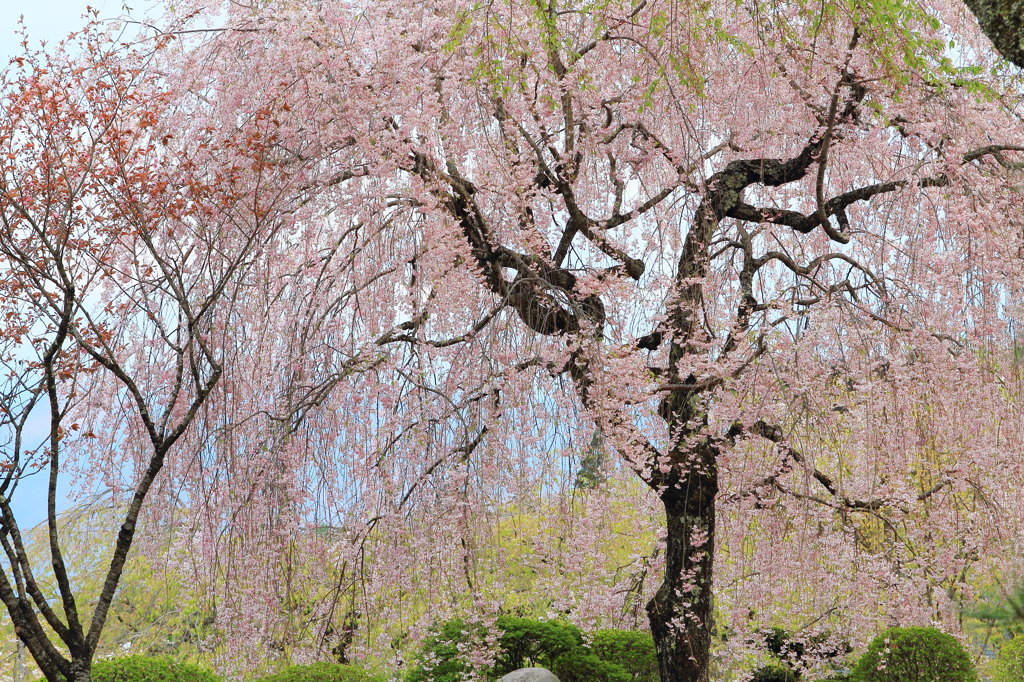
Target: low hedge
774,672
149,669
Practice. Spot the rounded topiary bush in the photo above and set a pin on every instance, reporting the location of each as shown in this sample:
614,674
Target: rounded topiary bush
914,655
632,650
148,669
774,673
323,672
1009,665
525,642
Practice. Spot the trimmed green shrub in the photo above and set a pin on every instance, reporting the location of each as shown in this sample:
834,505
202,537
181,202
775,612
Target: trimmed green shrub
632,650
525,642
774,673
612,656
1009,665
914,655
580,665
522,643
148,669
323,672
439,659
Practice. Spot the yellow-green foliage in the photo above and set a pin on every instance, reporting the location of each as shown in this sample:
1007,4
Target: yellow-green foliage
1009,665
156,610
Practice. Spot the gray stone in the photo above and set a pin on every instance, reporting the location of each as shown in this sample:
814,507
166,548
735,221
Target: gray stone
530,675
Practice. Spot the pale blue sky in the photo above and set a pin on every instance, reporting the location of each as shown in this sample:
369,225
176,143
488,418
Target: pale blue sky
48,20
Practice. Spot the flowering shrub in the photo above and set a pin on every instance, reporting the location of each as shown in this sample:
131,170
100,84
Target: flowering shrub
774,673
912,655
323,672
794,654
523,642
441,658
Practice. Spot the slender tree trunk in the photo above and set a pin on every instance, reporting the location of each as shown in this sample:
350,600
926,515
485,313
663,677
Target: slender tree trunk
681,611
19,662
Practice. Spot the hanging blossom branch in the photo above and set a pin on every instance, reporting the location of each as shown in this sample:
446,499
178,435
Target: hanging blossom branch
838,500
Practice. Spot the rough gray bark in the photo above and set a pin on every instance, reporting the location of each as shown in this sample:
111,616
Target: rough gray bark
1003,22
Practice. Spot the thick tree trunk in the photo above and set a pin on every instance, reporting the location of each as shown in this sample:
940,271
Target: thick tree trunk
79,671
1003,22
681,611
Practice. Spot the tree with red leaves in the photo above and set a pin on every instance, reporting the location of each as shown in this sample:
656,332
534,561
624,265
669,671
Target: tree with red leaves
120,248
